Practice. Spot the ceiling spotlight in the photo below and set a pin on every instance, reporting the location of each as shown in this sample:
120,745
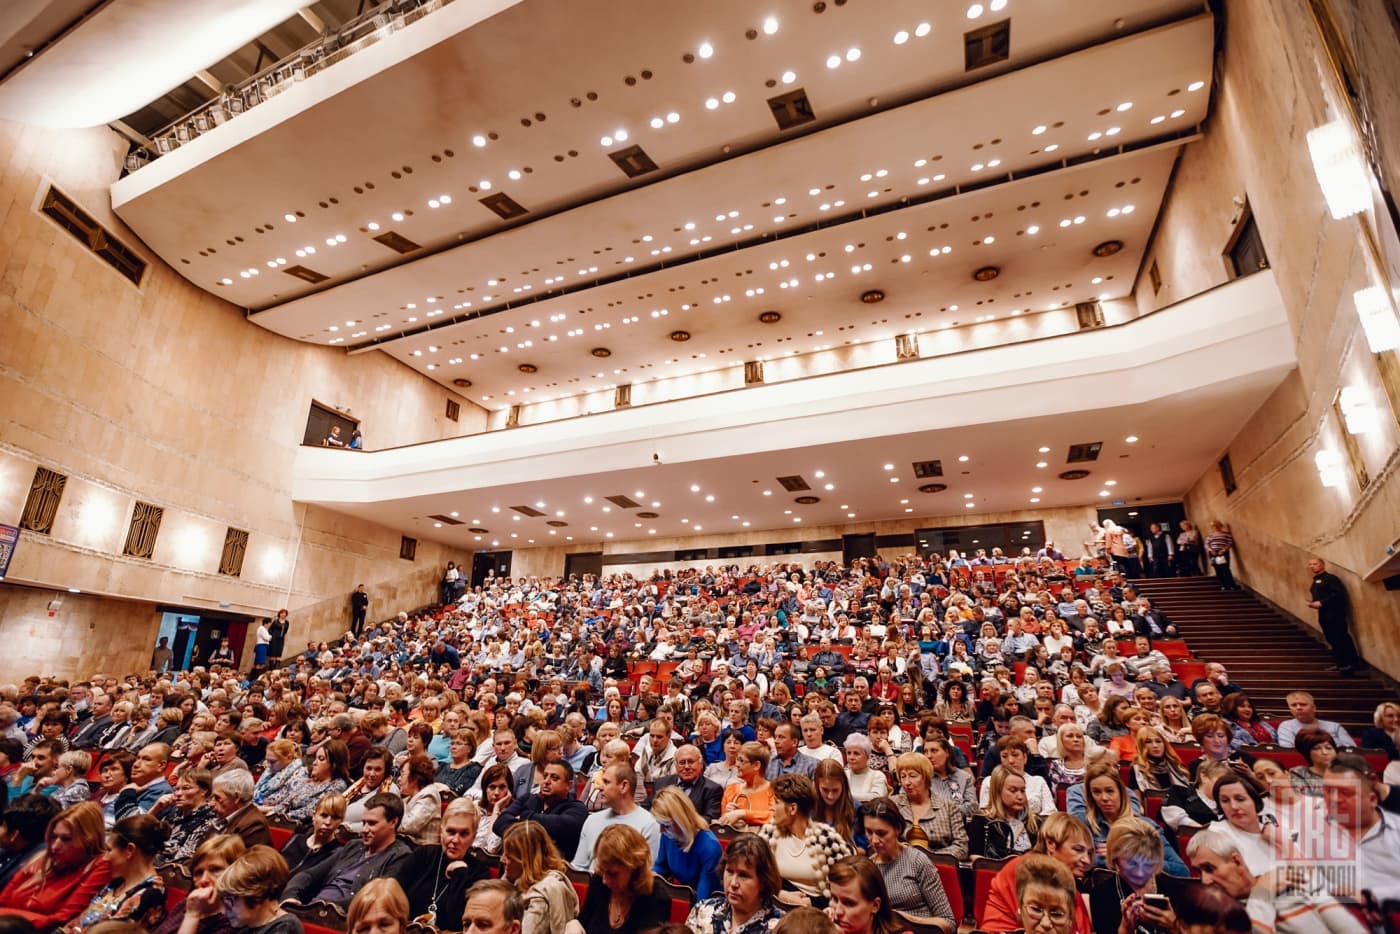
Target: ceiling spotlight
789,77
478,141
1131,439
1195,85
901,37
833,61
770,25
974,11
1041,464
923,29
853,54
705,50
889,466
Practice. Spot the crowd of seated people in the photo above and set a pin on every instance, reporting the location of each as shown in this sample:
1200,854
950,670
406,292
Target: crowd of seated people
765,741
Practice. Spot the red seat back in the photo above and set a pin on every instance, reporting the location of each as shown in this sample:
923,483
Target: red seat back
280,836
680,910
983,872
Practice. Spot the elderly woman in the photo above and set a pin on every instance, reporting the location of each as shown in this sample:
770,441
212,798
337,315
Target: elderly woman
1383,734
866,783
422,811
621,897
748,801
55,886
934,823
751,883
189,815
805,848
436,878
69,779
913,884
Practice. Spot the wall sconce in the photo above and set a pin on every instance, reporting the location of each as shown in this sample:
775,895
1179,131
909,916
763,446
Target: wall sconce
1329,468
1340,169
1358,410
1377,319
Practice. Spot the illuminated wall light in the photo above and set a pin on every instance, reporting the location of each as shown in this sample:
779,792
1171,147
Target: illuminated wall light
1378,319
1358,410
1329,468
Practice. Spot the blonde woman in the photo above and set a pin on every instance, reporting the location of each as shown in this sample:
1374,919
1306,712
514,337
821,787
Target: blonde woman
378,908
689,852
1006,826
531,862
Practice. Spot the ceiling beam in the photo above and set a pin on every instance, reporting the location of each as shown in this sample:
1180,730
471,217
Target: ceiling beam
311,19
208,80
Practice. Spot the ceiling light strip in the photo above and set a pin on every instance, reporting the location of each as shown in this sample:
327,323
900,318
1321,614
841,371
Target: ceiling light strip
826,223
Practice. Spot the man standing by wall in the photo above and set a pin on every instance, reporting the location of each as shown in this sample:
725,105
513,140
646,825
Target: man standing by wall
1329,598
359,606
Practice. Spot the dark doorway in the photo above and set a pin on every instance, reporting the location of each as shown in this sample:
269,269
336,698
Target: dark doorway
1137,518
489,564
320,421
857,546
195,634
968,539
581,564
211,632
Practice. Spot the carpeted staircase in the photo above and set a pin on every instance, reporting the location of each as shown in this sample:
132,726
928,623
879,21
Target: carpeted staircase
1266,653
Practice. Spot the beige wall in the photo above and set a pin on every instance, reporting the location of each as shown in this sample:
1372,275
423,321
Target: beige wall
1067,527
85,636
1270,95
169,395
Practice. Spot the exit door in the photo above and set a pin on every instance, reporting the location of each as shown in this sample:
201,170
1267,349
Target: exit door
490,564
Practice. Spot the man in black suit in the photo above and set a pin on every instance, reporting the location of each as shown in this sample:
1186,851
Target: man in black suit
92,734
690,778
554,808
1329,598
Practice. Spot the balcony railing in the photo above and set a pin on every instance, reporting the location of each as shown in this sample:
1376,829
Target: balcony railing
374,25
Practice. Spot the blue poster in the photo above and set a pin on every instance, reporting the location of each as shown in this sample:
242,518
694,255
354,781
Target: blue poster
9,539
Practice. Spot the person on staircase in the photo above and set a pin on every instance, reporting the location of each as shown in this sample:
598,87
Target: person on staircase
1329,598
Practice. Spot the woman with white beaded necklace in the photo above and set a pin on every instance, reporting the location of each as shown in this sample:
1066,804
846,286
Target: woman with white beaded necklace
804,848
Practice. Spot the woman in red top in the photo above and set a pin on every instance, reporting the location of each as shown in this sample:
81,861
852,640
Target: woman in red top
1062,837
885,688
55,886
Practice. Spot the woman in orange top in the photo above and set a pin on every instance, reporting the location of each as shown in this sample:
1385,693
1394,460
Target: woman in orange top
749,800
55,886
1132,719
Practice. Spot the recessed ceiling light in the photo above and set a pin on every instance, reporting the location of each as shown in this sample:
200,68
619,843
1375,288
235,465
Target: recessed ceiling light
1126,105
833,61
478,141
974,11
967,496
1178,113
705,50
923,29
1039,130
889,466
970,505
1035,499
1044,450
673,117
850,515
789,77
901,37
770,25
712,103
1041,464
1036,489
894,479
1131,439
853,54
709,497
963,458
1103,493
727,97
1195,85
996,6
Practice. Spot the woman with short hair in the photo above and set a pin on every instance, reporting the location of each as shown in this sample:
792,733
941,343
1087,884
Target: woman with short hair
1063,838
310,848
750,800
1318,749
749,903
1046,896
934,823
1134,853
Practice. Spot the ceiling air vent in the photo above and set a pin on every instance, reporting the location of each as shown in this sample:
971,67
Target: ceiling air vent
933,488
633,161
530,511
648,515
623,502
505,207
65,212
807,500
925,469
1074,475
558,523
987,46
306,275
446,520
1079,453
791,109
479,530
794,484
398,242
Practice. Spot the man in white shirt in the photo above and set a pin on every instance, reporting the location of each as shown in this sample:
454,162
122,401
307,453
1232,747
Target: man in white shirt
1304,711
617,791
1369,838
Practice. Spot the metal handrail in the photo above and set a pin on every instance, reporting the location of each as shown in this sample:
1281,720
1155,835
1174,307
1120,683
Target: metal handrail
365,30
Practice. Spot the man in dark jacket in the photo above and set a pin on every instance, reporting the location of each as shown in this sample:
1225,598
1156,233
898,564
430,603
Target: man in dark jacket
1329,598
690,778
554,808
377,854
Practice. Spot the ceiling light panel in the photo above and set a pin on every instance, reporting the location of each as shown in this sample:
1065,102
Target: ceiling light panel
660,223
926,294
334,156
